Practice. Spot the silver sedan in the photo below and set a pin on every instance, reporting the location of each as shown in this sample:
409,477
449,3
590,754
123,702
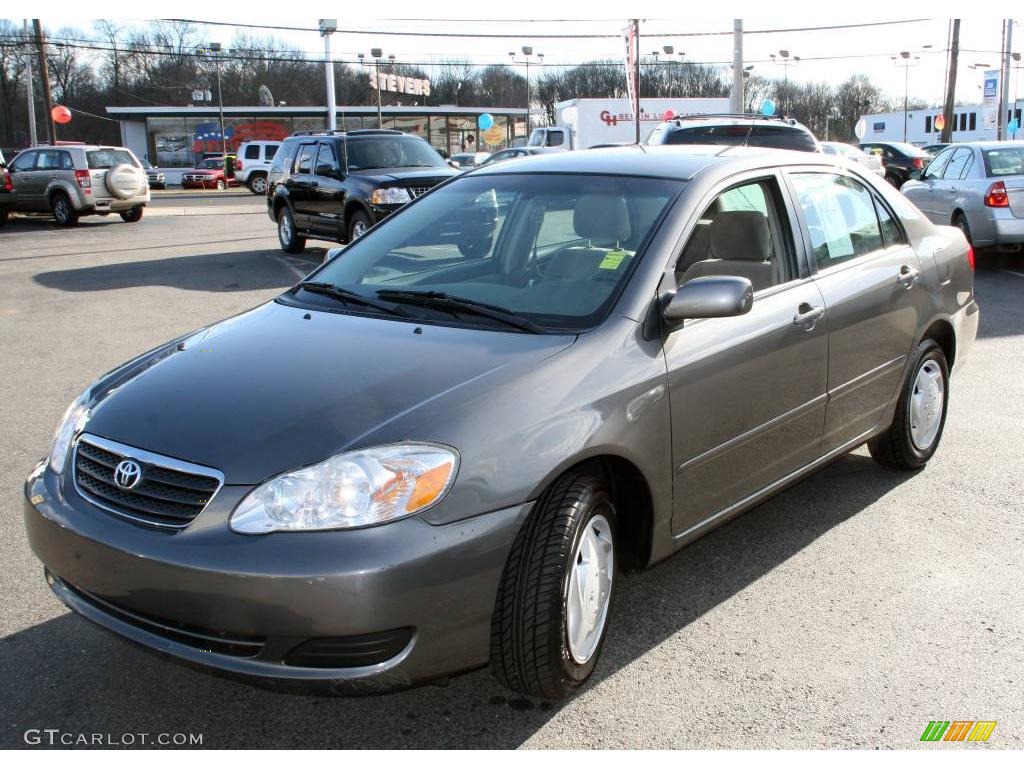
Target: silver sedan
978,187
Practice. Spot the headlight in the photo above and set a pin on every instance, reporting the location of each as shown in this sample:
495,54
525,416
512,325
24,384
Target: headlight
72,422
350,490
390,196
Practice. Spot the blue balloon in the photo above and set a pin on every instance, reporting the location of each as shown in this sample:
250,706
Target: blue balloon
767,107
485,121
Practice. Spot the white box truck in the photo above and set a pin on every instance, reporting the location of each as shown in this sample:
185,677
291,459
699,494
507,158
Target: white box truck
585,123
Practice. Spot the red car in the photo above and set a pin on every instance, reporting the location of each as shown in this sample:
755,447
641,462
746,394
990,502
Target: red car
209,174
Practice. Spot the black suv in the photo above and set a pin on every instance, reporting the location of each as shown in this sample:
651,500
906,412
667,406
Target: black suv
902,161
336,185
749,130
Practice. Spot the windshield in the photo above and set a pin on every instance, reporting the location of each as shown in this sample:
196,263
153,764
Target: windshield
554,249
776,136
212,162
1005,161
108,158
388,152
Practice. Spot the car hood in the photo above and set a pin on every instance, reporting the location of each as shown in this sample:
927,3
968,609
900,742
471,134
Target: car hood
270,390
389,175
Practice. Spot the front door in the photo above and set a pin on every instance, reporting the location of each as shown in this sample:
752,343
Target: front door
327,198
26,181
874,292
747,393
950,188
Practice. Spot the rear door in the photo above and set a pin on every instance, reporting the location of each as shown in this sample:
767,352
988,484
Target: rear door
871,279
747,393
300,185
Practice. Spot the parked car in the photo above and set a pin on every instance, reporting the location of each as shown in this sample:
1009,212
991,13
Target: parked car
978,187
253,164
470,159
157,178
335,186
746,130
438,450
516,152
902,161
74,180
209,174
934,149
870,161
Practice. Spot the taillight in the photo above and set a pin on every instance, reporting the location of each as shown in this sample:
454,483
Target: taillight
919,162
996,196
970,257
8,184
84,179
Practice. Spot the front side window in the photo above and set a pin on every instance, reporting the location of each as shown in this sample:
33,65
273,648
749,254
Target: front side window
24,162
840,217
325,160
938,164
553,248
305,159
739,234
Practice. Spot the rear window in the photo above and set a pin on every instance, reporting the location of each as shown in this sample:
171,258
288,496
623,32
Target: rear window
774,136
284,158
108,158
908,149
1005,161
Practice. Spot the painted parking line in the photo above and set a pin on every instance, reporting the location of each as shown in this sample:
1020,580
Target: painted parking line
1011,272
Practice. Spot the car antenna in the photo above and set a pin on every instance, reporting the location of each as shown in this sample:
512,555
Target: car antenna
750,130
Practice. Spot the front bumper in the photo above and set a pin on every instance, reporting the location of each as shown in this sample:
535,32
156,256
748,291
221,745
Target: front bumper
269,594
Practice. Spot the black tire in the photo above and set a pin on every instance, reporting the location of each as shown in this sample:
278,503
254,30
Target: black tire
530,650
258,184
3,217
221,185
63,213
894,179
896,447
358,223
132,215
291,241
960,222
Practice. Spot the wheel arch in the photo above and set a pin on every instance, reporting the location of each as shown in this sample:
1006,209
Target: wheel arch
941,331
352,205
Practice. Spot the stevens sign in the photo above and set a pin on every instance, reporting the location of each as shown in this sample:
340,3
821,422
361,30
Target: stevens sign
400,84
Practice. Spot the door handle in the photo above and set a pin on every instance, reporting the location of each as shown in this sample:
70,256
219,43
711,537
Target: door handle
908,275
807,316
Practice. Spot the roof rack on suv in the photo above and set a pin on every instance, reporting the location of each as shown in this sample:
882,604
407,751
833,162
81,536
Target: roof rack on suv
359,132
745,115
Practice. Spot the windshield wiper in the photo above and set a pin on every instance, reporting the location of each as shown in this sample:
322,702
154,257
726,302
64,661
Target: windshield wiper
456,304
351,297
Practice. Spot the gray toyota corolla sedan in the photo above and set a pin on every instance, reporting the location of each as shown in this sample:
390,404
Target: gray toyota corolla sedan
437,452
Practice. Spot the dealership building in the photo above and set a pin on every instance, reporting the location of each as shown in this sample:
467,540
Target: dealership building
176,137
971,122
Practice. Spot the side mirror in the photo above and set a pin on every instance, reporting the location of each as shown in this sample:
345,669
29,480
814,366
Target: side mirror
716,296
454,164
326,170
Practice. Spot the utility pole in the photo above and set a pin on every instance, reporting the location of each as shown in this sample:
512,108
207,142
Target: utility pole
636,76
30,90
736,107
44,77
954,57
1004,85
327,28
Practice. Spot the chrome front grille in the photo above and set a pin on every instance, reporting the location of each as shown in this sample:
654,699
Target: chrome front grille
169,495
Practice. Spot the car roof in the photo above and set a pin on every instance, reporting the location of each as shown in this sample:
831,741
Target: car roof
991,144
676,161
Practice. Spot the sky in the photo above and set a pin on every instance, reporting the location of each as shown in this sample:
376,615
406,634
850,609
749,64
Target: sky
826,55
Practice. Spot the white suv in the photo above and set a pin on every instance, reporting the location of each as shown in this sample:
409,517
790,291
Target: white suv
253,164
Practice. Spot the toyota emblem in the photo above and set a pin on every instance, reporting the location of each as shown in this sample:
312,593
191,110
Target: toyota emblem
127,474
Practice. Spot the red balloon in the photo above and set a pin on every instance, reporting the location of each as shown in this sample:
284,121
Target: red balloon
669,114
940,122
61,114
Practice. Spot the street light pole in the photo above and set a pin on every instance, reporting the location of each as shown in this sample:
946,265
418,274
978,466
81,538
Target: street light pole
214,50
30,91
377,53
907,64
327,28
527,53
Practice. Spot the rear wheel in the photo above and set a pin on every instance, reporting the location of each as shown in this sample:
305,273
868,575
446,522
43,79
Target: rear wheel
960,222
132,215
893,179
3,217
258,184
916,429
63,213
552,609
290,240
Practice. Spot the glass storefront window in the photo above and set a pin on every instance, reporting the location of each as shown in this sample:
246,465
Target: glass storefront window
169,142
417,126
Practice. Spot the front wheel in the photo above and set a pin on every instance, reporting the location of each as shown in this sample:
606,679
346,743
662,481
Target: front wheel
132,215
551,613
221,186
357,225
3,217
916,429
290,240
63,213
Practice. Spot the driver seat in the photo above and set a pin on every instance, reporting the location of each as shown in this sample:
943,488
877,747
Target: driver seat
603,219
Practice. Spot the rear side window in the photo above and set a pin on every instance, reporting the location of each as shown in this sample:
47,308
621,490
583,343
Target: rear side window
840,217
958,165
774,136
252,152
108,158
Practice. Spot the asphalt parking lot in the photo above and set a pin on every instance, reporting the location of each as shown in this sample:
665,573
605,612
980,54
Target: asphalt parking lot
846,612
